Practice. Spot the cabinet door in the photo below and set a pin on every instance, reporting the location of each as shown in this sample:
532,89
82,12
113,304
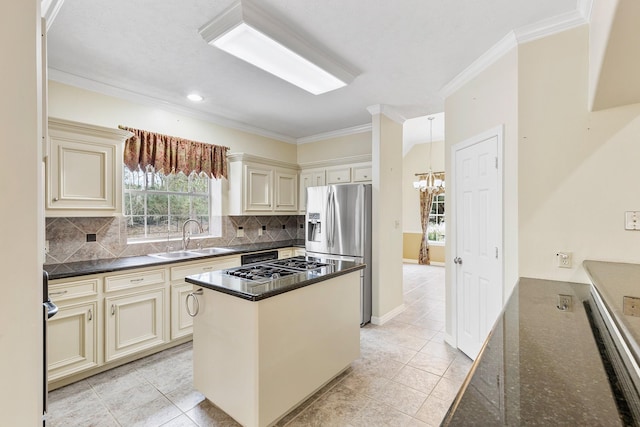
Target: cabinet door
309,179
362,174
339,175
72,340
258,189
82,175
134,322
286,193
181,322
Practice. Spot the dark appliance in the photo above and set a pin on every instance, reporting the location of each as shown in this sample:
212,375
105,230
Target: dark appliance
258,257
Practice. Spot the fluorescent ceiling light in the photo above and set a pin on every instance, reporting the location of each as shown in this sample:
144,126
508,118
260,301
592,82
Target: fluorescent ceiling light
249,34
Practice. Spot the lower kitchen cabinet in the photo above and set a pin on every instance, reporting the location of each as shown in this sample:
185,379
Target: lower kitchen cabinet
134,322
181,321
72,339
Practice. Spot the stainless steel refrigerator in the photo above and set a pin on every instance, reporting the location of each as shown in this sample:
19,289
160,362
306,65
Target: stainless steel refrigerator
338,226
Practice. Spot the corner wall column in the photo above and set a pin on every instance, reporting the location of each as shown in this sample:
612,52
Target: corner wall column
386,162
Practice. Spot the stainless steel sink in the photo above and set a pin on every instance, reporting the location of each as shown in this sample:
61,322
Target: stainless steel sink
176,255
212,251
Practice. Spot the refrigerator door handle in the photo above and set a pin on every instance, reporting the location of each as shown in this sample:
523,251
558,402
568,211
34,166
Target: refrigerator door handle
329,217
333,219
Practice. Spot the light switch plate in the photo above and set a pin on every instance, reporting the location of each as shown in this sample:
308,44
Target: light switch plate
632,220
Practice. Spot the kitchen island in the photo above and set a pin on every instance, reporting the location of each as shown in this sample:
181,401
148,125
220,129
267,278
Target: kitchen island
261,346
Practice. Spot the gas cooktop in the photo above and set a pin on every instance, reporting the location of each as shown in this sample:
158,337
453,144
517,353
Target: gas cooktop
275,269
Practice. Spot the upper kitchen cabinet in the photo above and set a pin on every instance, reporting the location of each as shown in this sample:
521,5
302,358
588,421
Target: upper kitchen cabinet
83,169
259,186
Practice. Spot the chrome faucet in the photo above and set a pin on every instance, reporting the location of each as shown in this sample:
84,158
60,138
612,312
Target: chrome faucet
186,236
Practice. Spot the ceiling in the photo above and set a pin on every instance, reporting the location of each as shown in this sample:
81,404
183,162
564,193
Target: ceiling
403,53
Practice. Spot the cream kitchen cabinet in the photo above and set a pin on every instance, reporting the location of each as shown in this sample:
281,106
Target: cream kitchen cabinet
259,186
309,178
181,321
83,169
136,312
73,333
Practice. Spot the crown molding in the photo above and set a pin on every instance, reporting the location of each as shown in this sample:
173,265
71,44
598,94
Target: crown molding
105,89
335,134
388,111
514,38
244,157
362,158
585,7
547,27
495,52
50,9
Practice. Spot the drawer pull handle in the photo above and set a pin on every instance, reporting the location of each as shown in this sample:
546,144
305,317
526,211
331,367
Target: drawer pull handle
137,280
58,293
196,303
207,268
113,309
90,315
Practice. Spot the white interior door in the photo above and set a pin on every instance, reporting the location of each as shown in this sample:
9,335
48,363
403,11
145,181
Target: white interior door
478,240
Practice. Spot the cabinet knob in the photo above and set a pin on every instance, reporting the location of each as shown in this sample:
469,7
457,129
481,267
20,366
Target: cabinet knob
55,199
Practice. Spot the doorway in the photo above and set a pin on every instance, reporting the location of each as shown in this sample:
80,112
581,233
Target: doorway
477,250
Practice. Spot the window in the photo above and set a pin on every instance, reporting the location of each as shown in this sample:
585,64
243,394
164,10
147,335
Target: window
156,205
436,227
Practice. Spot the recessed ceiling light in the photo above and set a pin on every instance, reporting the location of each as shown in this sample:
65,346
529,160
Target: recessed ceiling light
248,33
195,97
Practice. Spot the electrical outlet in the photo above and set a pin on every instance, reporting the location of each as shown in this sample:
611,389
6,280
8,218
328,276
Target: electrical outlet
259,231
632,220
46,247
565,303
564,259
631,306
240,232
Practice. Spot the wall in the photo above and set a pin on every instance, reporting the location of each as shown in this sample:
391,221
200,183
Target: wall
487,101
334,148
577,169
21,220
71,103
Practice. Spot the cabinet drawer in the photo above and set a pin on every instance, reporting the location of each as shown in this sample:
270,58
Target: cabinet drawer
337,176
128,281
70,290
362,173
182,271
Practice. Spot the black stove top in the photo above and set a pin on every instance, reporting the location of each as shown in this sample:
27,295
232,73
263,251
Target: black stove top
275,269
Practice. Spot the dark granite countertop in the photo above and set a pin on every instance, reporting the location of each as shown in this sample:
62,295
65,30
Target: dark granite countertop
256,291
83,268
540,365
614,281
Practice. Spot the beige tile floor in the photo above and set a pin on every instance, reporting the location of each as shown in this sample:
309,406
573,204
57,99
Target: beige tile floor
406,376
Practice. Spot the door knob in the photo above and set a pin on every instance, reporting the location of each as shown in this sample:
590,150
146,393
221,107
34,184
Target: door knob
457,260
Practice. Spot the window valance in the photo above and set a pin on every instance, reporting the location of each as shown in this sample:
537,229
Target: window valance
170,154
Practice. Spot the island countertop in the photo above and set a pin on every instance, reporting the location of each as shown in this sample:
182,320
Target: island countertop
259,290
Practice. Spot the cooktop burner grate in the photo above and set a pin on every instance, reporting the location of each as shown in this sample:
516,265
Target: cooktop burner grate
274,270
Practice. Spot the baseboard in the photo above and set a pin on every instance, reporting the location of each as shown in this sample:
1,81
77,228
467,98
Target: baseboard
388,316
415,261
451,340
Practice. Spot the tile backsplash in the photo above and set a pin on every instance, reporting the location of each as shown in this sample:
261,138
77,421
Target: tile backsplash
68,236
